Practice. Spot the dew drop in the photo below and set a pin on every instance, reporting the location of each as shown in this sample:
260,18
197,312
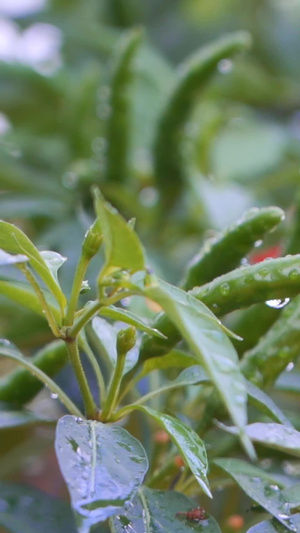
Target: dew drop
225,66
294,275
225,289
54,396
289,367
277,304
258,243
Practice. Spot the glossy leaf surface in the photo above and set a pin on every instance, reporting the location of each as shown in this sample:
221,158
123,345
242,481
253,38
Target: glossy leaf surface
264,403
103,467
272,526
154,511
124,315
202,331
189,444
24,509
14,241
260,487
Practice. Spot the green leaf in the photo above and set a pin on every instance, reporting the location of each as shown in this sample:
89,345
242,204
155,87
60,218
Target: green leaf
188,443
8,259
8,350
272,526
14,241
54,261
202,331
107,339
122,246
175,358
260,487
24,295
292,495
103,467
154,511
124,315
28,510
264,403
10,418
276,436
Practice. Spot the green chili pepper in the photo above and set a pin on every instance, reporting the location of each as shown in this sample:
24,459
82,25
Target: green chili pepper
293,245
194,74
276,349
19,386
251,324
225,253
118,122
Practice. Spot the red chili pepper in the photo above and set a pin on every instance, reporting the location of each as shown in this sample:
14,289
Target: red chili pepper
196,514
273,251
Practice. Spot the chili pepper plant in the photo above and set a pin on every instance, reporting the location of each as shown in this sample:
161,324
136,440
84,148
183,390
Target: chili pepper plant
179,383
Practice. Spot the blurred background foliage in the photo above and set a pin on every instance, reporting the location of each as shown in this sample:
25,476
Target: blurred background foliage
240,146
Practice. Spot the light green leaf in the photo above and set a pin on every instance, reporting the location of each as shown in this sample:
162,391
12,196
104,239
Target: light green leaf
54,261
202,331
103,466
276,436
260,487
122,246
272,526
107,339
175,358
14,241
8,350
24,295
292,495
188,443
156,511
8,259
123,315
264,403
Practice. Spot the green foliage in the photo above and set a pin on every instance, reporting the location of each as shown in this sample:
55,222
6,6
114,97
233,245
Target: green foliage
167,404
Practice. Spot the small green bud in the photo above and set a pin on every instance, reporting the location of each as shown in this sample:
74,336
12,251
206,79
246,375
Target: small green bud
92,240
126,340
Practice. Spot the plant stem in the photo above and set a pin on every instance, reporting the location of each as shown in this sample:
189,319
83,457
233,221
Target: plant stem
90,354
48,313
89,404
78,279
114,387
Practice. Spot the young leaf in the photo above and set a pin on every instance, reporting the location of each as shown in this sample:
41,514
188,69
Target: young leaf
7,350
28,510
276,436
202,331
124,315
260,487
272,526
122,246
188,443
54,261
24,295
107,339
11,418
8,259
14,241
103,467
156,511
264,403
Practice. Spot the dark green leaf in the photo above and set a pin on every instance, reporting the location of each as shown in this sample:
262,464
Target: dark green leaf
24,509
188,443
154,511
260,487
175,358
264,403
103,467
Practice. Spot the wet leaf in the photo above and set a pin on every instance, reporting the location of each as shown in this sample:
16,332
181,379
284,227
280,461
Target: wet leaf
14,241
202,331
122,246
123,315
103,467
272,526
107,339
292,495
54,261
188,443
264,403
8,259
154,511
260,487
276,436
28,510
